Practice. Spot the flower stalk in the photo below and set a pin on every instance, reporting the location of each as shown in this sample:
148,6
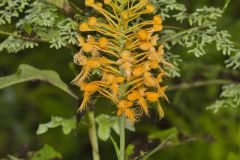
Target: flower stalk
122,136
93,135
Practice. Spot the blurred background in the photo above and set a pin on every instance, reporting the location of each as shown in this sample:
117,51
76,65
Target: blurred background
24,106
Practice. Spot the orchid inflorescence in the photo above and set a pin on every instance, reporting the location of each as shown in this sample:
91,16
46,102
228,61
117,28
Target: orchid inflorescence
127,55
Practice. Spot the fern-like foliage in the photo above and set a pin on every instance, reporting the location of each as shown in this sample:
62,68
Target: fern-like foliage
39,14
10,9
44,20
165,7
234,61
230,97
14,45
174,60
66,33
42,23
202,30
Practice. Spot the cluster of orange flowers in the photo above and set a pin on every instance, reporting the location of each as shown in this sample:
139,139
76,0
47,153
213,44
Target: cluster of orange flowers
127,55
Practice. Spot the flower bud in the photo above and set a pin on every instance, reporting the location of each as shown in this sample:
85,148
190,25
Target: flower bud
103,42
157,19
92,21
150,8
145,46
157,27
87,47
152,96
99,5
89,2
143,35
84,27
125,15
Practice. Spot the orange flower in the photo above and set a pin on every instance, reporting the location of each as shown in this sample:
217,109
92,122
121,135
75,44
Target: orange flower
143,35
150,8
124,107
152,96
88,89
139,96
103,42
92,21
84,27
126,56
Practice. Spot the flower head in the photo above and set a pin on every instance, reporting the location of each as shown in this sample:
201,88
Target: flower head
126,54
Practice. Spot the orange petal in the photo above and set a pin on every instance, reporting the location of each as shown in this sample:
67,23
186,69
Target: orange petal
152,96
145,46
133,96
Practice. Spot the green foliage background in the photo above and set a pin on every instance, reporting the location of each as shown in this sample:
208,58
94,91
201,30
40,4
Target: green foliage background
215,136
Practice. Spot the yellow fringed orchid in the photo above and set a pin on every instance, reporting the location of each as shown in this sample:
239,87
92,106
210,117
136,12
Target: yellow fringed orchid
127,54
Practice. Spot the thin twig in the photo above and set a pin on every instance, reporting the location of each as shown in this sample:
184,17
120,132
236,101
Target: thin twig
64,7
93,135
122,136
75,7
179,34
31,39
198,84
173,27
159,147
166,143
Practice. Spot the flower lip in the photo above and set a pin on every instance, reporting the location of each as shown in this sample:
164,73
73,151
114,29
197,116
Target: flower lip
89,2
103,42
143,35
92,21
157,19
84,27
125,15
150,8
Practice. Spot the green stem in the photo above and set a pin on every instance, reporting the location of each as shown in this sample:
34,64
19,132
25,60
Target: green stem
93,135
122,118
179,34
122,136
159,147
173,27
199,84
238,131
30,39
75,7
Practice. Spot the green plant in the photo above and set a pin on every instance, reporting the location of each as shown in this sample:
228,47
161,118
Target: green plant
56,23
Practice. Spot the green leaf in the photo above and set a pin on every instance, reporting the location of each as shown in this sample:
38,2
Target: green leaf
42,128
129,151
46,153
67,125
28,73
104,126
168,134
11,157
128,125
115,147
230,98
106,123
226,4
28,28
